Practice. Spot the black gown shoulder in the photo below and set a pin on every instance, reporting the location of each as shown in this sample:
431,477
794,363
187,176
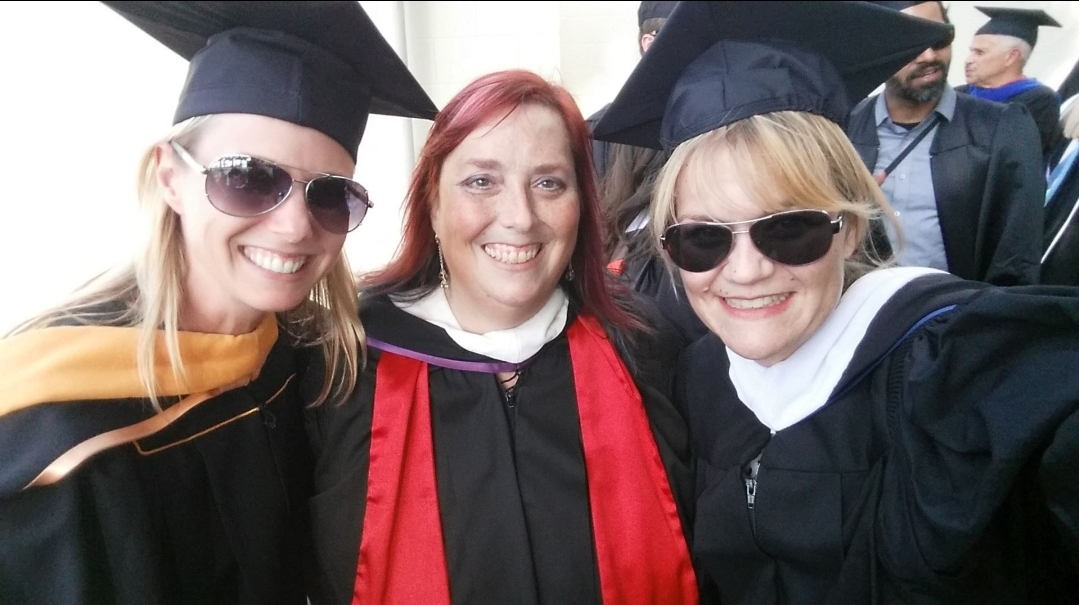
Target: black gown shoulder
1044,105
942,471
210,509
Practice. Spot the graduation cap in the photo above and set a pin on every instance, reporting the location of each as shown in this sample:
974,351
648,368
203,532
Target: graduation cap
898,5
1020,23
654,10
720,62
323,65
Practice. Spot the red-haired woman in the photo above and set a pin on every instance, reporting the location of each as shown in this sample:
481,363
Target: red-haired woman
497,449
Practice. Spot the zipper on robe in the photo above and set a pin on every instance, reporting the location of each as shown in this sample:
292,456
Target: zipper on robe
750,477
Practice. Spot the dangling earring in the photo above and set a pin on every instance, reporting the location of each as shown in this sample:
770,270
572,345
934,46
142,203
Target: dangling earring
443,277
569,273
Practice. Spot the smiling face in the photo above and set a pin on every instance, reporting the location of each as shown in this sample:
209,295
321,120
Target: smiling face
238,269
506,217
761,309
923,80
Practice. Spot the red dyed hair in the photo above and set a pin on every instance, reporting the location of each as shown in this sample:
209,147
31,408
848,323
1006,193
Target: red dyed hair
414,270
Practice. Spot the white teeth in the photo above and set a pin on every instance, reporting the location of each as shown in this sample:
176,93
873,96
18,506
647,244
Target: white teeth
756,303
511,255
274,262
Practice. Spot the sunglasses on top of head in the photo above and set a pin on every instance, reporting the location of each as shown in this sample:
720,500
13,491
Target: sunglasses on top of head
245,186
793,237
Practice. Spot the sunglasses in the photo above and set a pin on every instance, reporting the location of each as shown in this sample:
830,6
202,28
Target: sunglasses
794,237
245,186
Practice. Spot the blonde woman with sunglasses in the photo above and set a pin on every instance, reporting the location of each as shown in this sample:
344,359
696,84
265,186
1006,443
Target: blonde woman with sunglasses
152,448
864,433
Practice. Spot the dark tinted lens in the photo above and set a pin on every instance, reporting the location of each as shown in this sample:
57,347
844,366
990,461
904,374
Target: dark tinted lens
338,204
245,186
697,247
794,238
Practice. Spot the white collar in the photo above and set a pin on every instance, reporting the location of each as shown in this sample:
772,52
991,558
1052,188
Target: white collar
513,345
792,389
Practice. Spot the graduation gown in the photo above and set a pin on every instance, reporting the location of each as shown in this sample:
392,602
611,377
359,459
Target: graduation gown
945,471
512,496
989,186
207,510
1044,106
1062,266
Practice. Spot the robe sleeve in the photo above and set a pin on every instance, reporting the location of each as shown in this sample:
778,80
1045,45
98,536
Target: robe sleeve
340,436
985,439
1011,221
1045,109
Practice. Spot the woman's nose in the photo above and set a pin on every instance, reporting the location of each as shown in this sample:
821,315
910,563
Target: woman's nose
292,219
515,209
745,263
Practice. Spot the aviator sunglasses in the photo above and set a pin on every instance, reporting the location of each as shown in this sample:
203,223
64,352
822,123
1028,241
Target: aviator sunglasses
793,237
245,186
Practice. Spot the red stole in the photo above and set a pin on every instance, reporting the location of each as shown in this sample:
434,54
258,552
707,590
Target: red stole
640,549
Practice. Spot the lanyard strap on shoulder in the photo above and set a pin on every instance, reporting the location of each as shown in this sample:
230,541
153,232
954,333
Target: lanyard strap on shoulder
914,143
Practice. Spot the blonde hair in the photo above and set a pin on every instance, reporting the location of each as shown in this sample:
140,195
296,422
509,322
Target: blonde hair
786,160
147,293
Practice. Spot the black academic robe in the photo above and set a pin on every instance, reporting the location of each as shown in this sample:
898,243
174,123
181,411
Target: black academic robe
208,511
944,472
1044,106
648,276
1062,266
989,184
511,484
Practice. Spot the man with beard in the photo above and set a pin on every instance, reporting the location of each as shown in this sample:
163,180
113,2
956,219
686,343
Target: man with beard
964,176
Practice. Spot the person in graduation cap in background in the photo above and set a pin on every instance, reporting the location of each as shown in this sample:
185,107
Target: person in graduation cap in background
864,434
152,448
964,176
994,70
626,176
511,439
650,18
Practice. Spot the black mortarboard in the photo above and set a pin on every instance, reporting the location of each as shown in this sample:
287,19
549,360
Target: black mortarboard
898,5
720,62
323,65
654,10
1021,23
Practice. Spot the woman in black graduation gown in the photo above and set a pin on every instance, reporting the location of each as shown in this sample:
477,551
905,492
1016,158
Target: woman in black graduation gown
864,434
152,448
497,448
